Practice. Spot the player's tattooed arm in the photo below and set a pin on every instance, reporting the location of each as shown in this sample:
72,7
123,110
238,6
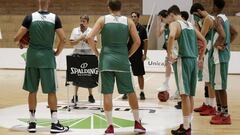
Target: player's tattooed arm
62,40
233,33
220,42
173,27
95,31
207,24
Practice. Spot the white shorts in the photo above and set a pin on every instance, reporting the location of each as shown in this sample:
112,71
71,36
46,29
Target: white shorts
206,76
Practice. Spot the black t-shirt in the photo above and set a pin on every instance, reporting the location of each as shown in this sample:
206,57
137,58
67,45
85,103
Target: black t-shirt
28,20
142,34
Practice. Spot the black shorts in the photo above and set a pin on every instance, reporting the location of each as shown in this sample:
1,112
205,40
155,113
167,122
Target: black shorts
137,64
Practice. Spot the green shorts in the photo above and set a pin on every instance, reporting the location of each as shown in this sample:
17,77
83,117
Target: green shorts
219,76
47,76
186,73
123,79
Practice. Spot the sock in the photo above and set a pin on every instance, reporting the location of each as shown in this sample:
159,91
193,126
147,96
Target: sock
207,101
219,108
136,115
211,102
166,81
54,116
186,122
190,117
108,115
225,110
32,116
141,90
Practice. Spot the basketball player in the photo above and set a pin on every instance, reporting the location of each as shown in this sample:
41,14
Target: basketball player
207,30
113,60
41,64
77,39
138,58
185,17
220,59
185,65
163,16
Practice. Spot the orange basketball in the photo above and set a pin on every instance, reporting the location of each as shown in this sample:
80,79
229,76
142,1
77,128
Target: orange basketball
24,41
163,96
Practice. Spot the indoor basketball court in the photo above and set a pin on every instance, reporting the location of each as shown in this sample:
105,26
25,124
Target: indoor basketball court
157,113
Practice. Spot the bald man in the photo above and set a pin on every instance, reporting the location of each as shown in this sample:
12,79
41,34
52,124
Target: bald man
40,63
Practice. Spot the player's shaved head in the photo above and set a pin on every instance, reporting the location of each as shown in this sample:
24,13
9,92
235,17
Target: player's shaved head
43,3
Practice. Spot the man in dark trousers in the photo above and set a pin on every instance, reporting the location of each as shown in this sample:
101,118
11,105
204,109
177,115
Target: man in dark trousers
138,58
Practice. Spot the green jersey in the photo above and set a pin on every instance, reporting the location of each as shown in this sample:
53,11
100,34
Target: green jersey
166,34
187,41
41,27
114,52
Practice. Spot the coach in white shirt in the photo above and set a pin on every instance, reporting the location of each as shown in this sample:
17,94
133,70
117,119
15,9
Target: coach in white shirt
80,46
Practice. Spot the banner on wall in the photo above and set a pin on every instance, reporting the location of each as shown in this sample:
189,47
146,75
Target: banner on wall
11,58
154,6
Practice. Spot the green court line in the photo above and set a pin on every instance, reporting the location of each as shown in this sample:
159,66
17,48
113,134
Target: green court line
99,122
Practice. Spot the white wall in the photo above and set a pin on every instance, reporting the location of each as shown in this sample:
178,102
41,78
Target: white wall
159,5
10,58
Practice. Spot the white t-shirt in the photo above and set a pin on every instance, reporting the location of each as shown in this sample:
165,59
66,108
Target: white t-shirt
82,47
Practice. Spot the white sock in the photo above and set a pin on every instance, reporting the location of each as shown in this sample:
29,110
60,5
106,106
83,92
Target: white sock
211,102
191,118
207,101
32,117
141,90
166,80
54,117
108,115
186,122
136,115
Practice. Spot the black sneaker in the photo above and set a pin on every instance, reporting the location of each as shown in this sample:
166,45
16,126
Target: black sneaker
179,105
74,99
91,99
58,128
124,97
142,96
32,127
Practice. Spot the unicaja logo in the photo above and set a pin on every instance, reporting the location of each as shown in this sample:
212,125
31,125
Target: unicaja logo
84,65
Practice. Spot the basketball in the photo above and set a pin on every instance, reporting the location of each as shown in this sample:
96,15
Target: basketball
24,41
163,96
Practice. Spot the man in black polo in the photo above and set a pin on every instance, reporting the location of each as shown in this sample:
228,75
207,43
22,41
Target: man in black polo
137,59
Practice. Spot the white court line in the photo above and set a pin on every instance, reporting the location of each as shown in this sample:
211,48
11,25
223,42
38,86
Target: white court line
136,84
106,121
77,122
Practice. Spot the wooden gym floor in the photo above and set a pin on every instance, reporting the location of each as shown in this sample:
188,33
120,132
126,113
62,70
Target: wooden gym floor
12,95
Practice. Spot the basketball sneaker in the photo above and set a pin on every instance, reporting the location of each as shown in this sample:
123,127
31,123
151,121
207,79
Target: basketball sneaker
178,105
201,108
58,128
208,111
223,120
142,96
138,128
175,132
124,97
91,99
74,99
217,116
32,127
109,130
